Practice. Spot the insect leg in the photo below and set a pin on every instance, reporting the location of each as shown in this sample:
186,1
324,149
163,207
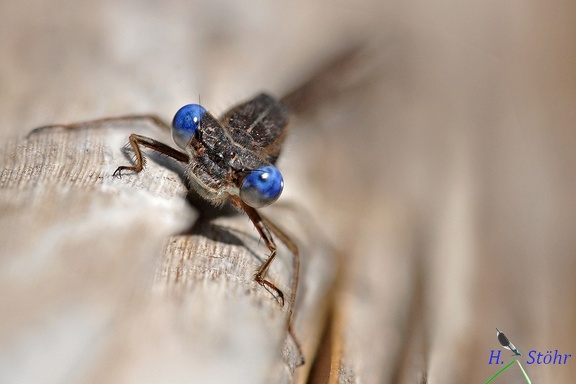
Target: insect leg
292,247
296,267
265,227
155,120
264,232
136,141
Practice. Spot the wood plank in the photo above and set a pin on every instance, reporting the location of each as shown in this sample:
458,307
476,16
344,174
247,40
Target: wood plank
160,290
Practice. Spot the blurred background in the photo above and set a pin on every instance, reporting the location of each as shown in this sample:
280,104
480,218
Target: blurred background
436,150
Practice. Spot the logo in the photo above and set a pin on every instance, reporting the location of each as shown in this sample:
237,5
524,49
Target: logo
495,357
534,357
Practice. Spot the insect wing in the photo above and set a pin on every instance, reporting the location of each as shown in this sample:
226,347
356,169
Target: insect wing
262,121
213,134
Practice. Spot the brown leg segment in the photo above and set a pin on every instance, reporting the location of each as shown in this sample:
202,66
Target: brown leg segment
136,141
296,266
269,241
264,227
155,120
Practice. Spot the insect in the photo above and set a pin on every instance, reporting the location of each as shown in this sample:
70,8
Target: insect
228,159
506,343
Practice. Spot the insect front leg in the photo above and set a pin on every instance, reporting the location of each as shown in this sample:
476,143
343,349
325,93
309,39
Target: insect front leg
293,248
153,119
264,232
296,266
265,227
136,141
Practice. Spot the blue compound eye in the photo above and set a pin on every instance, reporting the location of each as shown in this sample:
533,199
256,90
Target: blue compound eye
262,187
185,123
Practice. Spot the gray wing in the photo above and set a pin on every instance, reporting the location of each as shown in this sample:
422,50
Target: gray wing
262,121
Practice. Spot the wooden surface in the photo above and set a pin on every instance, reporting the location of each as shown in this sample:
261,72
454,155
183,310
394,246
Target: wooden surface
437,160
99,247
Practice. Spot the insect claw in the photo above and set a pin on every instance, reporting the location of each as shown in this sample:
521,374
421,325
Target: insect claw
280,298
301,362
118,172
278,295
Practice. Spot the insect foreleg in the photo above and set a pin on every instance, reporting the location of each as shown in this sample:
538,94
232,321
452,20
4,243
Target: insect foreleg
155,120
136,141
264,227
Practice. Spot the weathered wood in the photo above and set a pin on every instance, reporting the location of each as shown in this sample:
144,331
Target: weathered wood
91,246
439,162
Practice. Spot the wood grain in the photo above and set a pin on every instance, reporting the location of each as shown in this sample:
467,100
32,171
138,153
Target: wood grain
437,159
182,306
